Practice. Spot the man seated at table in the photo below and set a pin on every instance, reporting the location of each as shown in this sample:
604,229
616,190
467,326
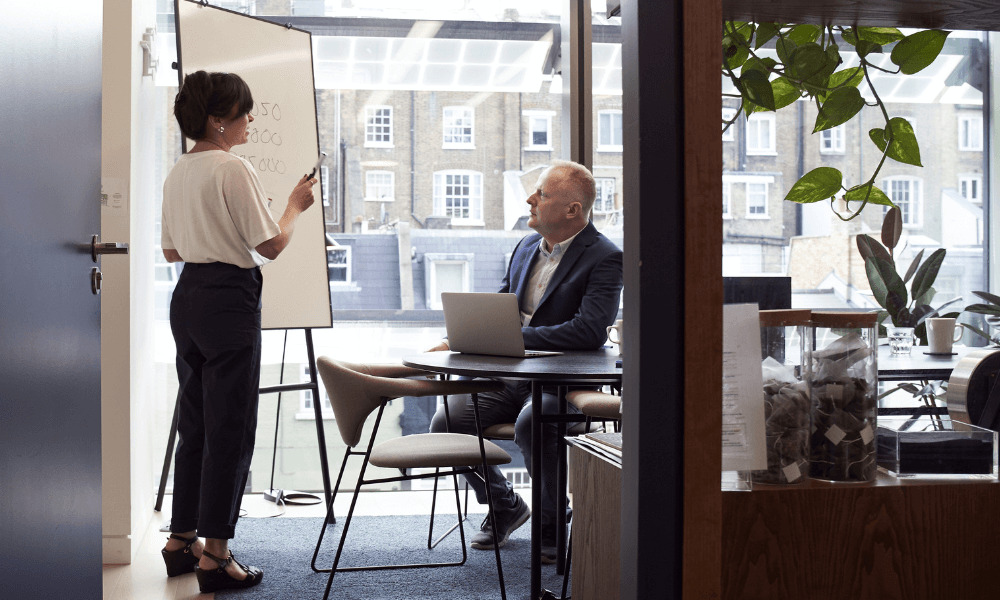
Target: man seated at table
568,281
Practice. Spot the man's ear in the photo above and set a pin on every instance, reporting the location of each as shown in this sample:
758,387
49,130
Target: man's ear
573,210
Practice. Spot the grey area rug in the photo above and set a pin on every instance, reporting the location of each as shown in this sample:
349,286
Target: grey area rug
283,549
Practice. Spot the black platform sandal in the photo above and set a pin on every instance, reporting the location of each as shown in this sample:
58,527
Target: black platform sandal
213,580
181,560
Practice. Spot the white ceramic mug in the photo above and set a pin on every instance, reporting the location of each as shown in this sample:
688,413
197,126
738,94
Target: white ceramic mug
942,332
618,337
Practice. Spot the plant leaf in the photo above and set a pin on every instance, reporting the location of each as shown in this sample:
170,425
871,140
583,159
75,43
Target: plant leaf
924,278
868,247
765,32
864,48
892,227
757,89
804,34
989,297
880,35
913,266
978,332
819,184
839,108
851,77
886,285
784,92
983,309
918,50
904,146
877,196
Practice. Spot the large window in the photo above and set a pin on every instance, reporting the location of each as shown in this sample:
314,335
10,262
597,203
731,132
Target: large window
459,195
907,194
970,132
380,186
831,141
609,131
539,130
606,192
459,122
378,126
971,188
757,199
760,134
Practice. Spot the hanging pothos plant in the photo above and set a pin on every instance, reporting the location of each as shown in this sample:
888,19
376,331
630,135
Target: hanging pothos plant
808,65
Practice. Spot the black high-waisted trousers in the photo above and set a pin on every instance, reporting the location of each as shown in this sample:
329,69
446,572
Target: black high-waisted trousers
215,320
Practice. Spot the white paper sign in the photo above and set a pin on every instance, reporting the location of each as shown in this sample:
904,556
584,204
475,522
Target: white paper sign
743,442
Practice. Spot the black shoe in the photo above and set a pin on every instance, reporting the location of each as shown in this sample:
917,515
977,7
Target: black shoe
506,524
181,560
213,580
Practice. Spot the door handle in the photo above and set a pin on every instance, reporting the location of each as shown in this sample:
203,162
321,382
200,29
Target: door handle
97,247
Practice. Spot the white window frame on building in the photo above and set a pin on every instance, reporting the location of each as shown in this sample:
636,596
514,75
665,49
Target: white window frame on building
831,141
758,209
756,124
344,267
378,127
607,190
432,260
458,127
727,199
380,186
970,187
970,132
539,121
445,194
728,134
305,411
609,130
912,206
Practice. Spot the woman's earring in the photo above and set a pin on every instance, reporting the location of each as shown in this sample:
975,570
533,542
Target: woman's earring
222,129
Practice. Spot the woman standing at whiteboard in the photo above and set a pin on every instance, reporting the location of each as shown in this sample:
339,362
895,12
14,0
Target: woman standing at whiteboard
216,220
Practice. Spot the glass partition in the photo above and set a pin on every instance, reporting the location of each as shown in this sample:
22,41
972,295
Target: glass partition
438,118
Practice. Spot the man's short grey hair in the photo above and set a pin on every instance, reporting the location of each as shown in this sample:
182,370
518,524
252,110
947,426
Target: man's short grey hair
582,180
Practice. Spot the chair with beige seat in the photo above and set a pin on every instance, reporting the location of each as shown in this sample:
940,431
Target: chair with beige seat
355,392
597,406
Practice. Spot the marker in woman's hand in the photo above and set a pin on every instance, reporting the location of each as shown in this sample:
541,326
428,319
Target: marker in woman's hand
322,157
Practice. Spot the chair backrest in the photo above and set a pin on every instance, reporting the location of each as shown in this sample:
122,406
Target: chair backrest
350,397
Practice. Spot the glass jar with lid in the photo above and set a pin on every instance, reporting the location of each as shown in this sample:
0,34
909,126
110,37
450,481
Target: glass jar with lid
844,395
785,344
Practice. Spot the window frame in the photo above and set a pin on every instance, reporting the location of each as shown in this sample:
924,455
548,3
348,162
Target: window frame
391,185
909,212
753,136
546,116
371,113
836,135
450,122
746,198
977,180
305,411
967,123
727,200
615,116
600,206
729,135
440,183
346,266
431,262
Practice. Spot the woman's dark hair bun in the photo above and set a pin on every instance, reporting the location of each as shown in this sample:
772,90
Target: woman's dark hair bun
209,94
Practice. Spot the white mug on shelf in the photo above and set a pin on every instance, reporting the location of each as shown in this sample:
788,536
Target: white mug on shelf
942,332
618,337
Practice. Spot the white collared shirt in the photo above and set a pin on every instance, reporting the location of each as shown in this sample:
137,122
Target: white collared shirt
541,274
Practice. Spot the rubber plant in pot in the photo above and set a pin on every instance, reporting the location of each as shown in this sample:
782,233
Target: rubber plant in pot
903,307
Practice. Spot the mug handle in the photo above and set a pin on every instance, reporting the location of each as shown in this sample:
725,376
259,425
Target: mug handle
613,339
959,332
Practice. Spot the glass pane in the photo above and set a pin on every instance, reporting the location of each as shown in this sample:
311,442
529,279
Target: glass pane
942,202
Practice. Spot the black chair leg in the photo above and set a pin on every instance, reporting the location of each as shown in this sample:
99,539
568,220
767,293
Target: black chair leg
462,516
328,520
489,497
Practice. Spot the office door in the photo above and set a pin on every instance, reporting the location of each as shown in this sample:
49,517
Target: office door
50,413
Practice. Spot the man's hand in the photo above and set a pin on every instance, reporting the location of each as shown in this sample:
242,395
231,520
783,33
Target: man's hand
440,347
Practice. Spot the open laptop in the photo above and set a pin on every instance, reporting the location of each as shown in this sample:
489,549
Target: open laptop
483,323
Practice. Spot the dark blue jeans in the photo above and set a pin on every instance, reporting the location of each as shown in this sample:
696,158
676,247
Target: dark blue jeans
512,405
215,320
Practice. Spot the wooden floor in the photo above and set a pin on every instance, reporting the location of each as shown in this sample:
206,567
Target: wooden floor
145,578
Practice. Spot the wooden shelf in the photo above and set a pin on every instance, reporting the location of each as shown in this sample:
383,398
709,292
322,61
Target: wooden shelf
925,14
890,539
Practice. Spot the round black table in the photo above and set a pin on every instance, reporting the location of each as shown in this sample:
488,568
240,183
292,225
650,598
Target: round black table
591,367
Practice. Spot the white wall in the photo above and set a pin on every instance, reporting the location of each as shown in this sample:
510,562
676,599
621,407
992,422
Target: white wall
129,465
